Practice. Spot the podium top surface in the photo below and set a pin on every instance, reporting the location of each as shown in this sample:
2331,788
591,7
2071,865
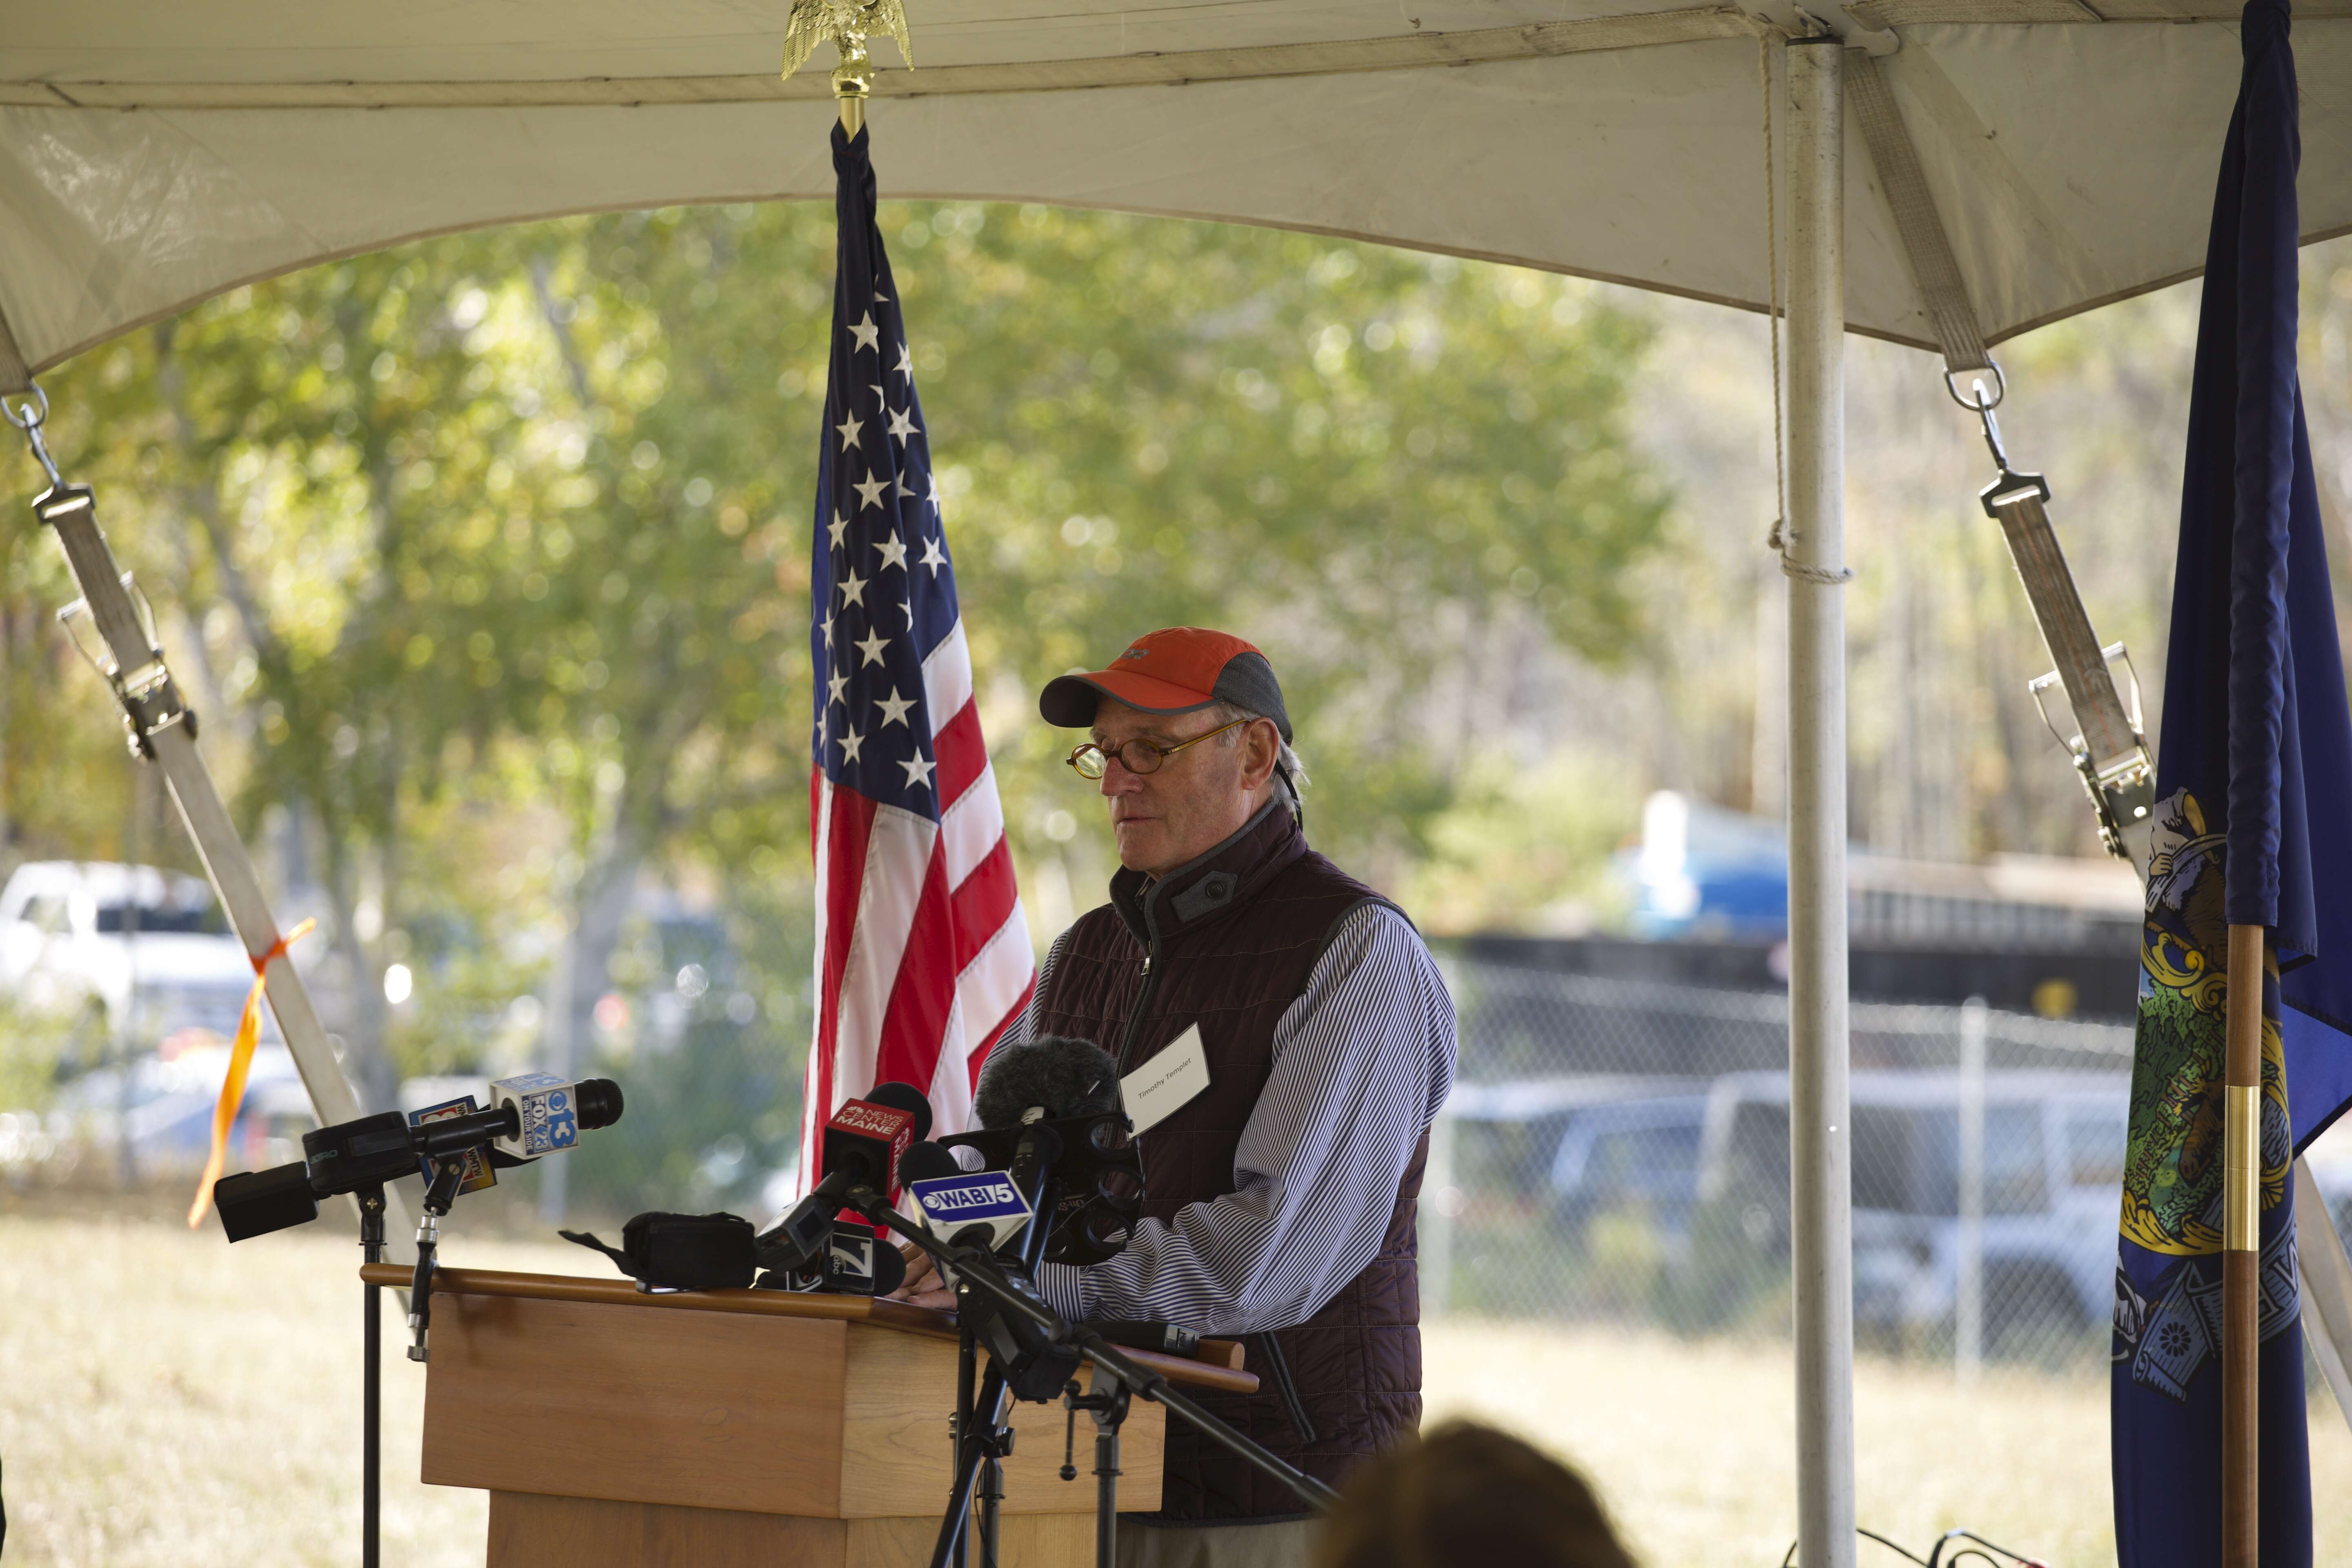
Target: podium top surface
898,1316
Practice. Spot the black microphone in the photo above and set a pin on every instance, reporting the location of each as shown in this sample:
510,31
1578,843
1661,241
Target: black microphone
1051,1116
1047,1080
1055,1077
531,1116
862,1146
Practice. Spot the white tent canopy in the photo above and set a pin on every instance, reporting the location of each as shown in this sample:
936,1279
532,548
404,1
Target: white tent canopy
153,154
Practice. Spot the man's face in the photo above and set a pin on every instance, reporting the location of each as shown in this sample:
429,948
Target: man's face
1198,798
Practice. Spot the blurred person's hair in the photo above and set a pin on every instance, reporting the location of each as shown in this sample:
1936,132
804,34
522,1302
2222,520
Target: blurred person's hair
1471,1495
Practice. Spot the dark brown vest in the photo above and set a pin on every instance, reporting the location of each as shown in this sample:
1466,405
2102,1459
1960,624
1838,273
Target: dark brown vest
1233,938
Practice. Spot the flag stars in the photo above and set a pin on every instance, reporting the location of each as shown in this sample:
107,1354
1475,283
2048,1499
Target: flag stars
853,591
918,772
835,528
849,741
868,334
894,554
902,424
850,426
905,365
894,710
870,647
903,490
834,684
869,492
934,497
931,556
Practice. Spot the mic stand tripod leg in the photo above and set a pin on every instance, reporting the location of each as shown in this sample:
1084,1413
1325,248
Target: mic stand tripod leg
974,1440
967,1372
371,1204
1107,1403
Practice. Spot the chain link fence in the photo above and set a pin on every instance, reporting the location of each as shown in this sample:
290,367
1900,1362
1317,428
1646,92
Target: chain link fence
1618,1149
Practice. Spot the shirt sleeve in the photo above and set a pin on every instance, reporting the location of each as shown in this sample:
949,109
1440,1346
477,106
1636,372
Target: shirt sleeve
1362,1061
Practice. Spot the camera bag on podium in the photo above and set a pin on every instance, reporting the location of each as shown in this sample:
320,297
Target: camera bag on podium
680,1251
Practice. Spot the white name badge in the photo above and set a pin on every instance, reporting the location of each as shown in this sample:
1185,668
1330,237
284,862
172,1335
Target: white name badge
1167,1083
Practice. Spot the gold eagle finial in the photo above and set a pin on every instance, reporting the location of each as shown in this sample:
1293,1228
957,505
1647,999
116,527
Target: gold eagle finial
847,24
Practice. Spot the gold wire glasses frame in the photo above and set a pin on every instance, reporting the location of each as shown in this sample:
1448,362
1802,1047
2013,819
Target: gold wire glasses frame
1136,756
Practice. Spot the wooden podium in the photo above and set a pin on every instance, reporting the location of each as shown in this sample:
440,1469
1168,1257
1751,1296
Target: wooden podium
618,1429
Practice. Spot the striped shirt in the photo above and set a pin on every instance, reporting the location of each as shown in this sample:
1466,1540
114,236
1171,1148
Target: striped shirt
1361,1062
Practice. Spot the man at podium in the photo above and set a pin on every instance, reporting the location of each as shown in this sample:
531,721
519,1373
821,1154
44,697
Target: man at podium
1308,1039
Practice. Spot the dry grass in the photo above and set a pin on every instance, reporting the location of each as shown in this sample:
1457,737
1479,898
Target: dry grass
169,1400
1692,1443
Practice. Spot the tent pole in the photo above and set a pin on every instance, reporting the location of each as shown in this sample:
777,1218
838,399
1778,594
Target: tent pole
1819,1145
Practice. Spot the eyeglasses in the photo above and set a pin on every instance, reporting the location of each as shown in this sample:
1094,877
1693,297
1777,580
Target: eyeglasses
1136,756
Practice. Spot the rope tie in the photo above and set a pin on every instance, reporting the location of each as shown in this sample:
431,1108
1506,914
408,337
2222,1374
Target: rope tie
1776,540
240,1058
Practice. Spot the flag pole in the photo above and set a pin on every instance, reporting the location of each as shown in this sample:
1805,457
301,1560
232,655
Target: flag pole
2242,1077
853,78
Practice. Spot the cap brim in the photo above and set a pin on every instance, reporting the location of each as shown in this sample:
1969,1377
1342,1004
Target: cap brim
1070,700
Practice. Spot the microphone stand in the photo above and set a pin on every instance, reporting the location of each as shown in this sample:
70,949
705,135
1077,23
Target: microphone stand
983,1444
372,1207
978,1271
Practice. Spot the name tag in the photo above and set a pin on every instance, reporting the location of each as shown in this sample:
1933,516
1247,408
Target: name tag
1167,1083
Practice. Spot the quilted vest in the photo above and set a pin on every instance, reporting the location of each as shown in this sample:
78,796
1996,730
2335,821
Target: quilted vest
1232,938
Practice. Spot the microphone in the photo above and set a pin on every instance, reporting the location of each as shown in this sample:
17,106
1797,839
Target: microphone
1053,1076
372,1149
548,1113
1050,1078
862,1146
856,1263
1051,1118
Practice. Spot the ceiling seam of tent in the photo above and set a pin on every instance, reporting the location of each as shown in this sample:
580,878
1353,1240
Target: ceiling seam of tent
1489,46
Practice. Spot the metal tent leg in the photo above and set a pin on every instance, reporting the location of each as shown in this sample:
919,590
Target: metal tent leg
1820,1166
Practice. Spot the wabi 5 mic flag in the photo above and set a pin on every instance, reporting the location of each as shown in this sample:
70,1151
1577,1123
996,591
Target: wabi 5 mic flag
2254,829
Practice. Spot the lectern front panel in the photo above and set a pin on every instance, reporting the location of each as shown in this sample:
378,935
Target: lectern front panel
585,1399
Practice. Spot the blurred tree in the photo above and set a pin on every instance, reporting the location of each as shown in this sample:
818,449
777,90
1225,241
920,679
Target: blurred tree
493,550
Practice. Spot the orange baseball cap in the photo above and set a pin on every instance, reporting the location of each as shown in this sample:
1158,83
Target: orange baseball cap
1179,670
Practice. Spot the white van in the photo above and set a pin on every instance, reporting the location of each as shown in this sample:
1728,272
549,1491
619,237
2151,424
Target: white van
142,944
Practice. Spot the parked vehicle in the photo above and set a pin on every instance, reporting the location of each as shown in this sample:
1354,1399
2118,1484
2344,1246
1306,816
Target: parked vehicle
148,948
2053,1151
2053,1174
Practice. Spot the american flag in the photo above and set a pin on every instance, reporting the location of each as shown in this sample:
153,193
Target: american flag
922,954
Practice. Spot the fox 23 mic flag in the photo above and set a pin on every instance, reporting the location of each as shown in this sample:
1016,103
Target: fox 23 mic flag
922,954
2253,826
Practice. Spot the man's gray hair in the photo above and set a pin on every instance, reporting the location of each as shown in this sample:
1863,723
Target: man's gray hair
1287,759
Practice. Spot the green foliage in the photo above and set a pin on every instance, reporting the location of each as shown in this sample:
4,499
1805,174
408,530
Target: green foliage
1524,845
486,558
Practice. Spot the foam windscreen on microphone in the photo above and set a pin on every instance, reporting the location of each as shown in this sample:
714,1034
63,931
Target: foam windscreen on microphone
927,1161
1057,1074
904,1097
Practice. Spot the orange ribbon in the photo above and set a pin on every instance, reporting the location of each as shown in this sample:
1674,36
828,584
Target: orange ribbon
240,1059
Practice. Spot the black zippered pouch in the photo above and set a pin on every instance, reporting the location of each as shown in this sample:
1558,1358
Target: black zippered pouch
680,1251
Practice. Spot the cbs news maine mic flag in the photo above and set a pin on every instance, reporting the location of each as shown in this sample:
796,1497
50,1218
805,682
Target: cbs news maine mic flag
922,954
2253,826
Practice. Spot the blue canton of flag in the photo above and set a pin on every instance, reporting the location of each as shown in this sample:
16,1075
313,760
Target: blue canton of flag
881,585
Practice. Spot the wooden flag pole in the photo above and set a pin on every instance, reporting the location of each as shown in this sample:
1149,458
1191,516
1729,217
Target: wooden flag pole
2242,1077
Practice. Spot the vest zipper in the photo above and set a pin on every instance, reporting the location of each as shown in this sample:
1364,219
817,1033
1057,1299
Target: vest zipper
1143,1001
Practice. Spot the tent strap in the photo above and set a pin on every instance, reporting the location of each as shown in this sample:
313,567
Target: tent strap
14,375
1933,266
2109,751
2107,747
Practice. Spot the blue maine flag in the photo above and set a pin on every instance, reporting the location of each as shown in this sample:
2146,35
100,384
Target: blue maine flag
2253,826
